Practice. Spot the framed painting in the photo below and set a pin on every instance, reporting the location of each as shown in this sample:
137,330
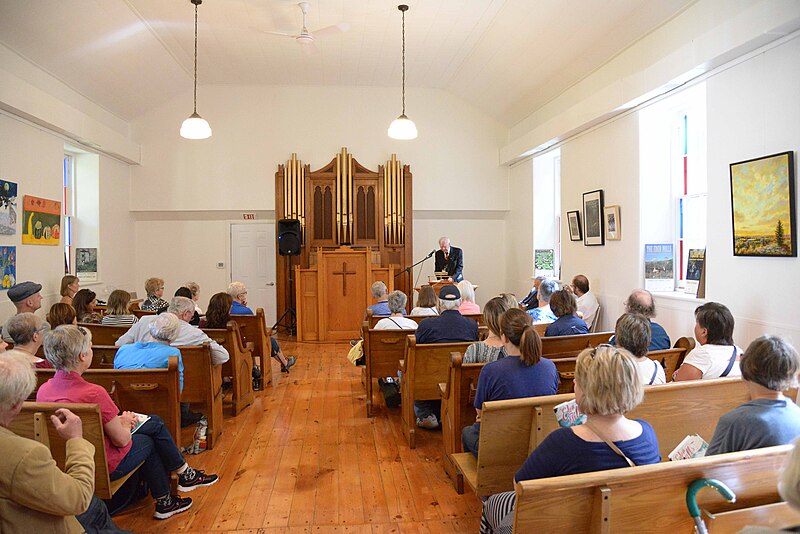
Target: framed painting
613,223
41,221
762,204
574,221
593,218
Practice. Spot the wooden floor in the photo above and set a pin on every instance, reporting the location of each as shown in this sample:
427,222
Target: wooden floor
305,458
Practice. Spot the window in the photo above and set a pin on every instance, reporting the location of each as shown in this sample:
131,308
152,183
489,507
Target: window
672,152
67,210
547,214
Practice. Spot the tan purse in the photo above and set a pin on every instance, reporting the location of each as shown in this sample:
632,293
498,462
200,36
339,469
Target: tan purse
610,444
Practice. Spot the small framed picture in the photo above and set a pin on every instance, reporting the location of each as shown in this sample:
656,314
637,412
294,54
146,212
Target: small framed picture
613,223
574,221
593,223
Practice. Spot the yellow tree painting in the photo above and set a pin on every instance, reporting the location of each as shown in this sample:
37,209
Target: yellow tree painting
762,196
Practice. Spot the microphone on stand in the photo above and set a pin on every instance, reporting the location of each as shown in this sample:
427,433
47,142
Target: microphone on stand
432,253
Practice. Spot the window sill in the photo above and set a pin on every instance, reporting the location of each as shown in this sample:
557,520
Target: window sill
678,295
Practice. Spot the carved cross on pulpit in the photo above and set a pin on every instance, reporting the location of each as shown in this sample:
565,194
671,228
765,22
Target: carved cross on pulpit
344,272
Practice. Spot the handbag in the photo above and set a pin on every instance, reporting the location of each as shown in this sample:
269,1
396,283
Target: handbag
610,444
356,352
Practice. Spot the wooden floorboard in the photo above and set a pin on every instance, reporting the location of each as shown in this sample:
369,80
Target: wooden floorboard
305,459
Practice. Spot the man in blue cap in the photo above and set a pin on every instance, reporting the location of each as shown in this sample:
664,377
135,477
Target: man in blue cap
449,327
27,298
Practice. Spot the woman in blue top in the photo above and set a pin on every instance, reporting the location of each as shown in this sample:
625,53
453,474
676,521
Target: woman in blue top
522,373
607,385
565,306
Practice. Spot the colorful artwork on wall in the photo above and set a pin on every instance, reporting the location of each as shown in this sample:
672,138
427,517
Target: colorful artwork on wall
762,199
8,264
41,221
8,208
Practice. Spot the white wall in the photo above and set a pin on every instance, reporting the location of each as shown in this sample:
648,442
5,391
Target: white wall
193,189
519,230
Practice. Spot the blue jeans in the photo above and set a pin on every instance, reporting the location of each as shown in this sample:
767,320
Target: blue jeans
153,445
424,408
470,437
275,348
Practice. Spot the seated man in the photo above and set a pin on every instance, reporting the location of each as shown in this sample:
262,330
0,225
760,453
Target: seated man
633,334
543,314
27,298
153,354
769,367
641,301
35,495
587,302
449,327
532,300
380,294
238,293
27,332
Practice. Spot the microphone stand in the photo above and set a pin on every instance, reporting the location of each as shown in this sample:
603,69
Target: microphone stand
409,278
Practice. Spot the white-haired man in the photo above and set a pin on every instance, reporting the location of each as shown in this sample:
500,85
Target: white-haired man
238,293
450,260
153,354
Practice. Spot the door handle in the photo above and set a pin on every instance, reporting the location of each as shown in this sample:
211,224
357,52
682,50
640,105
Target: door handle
270,283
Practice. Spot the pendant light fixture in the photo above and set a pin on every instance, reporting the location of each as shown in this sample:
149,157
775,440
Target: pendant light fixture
402,127
195,127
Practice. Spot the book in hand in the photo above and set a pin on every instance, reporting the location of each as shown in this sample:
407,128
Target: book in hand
140,420
692,446
568,414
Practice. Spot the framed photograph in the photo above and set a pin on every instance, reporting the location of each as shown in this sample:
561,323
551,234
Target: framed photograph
613,223
41,221
574,221
762,202
593,218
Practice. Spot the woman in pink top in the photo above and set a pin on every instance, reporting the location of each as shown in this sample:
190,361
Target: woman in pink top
69,349
467,291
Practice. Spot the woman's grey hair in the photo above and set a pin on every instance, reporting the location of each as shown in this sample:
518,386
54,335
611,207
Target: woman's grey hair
17,380
21,327
165,328
378,289
633,332
467,291
771,362
194,287
180,305
65,344
546,289
397,301
236,288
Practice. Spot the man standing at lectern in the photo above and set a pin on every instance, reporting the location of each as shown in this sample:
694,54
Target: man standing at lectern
449,259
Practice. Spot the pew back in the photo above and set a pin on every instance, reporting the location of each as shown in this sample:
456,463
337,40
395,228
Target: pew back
383,349
202,384
239,366
253,329
645,498
569,346
373,319
103,334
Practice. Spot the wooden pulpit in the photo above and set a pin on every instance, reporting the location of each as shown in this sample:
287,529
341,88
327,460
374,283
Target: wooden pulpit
333,295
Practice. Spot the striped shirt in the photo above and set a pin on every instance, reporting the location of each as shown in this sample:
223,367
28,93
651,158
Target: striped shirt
115,320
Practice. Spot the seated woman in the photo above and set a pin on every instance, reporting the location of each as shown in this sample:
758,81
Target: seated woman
716,356
69,286
491,348
607,385
633,333
153,354
467,291
769,367
396,321
565,307
186,292
522,373
218,314
84,302
194,287
238,292
61,313
154,287
118,309
69,349
426,302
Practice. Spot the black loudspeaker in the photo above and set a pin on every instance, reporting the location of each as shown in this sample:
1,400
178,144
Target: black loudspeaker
289,237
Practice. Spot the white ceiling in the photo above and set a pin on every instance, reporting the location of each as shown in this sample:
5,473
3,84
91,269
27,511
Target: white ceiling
508,57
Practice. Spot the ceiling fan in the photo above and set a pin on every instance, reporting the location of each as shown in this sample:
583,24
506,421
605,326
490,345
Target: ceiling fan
307,38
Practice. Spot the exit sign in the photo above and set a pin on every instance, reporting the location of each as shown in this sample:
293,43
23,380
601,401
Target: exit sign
248,216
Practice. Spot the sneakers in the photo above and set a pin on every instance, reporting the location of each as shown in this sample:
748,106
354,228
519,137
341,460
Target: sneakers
194,478
429,422
171,505
290,361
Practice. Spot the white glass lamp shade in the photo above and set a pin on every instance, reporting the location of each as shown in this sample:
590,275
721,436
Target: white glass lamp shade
195,127
402,128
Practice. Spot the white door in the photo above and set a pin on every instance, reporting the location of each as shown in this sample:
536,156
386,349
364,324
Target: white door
253,263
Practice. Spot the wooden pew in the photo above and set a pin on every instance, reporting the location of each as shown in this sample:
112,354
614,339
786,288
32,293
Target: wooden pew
373,319
458,410
202,384
33,422
511,429
103,334
646,498
239,367
253,329
424,367
142,313
147,391
383,349
569,346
